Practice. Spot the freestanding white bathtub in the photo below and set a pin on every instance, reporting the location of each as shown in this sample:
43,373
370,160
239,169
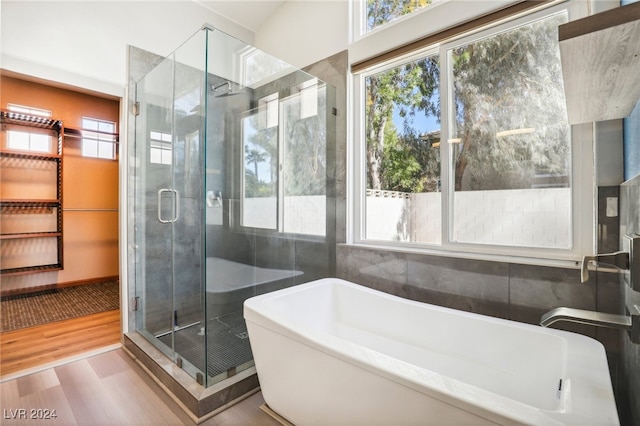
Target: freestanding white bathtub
332,352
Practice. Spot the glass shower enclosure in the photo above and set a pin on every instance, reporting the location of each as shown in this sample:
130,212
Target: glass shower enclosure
230,172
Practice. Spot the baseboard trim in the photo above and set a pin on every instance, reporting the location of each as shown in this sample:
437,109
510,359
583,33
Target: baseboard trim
55,286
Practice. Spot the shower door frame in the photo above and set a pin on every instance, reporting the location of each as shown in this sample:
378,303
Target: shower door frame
165,217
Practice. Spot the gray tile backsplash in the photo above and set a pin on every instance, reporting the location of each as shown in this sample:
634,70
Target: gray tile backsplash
470,285
505,290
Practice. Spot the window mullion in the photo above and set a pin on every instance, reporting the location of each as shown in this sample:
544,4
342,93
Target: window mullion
281,166
446,73
355,174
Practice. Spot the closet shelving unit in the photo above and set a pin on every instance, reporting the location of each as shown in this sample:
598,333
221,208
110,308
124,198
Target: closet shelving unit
30,198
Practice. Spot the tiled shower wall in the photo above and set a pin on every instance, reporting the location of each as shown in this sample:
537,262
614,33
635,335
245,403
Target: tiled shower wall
314,256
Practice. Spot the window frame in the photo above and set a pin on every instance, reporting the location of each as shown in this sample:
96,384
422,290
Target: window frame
276,228
359,12
31,135
161,143
582,176
280,104
24,109
99,137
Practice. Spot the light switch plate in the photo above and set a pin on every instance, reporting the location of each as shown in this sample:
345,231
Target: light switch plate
612,207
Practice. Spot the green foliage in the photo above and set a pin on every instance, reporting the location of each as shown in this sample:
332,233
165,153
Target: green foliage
410,89
305,168
303,145
260,149
510,81
254,188
380,12
254,156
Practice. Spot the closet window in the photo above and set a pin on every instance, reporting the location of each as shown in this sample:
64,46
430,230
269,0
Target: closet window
32,141
28,110
99,138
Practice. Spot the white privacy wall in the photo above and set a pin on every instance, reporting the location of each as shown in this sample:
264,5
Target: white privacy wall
302,214
526,217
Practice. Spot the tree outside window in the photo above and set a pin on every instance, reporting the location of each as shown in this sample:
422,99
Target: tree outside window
507,136
380,12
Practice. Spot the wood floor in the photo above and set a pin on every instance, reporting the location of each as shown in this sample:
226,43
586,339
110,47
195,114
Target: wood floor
109,388
33,346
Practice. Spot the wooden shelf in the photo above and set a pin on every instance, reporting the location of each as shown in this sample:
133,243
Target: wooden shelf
32,269
26,202
29,155
20,119
26,218
30,235
601,64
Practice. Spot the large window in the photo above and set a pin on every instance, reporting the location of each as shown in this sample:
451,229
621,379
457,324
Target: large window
511,160
466,146
402,131
284,141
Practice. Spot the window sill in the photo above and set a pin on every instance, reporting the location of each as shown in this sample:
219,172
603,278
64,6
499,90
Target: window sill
570,263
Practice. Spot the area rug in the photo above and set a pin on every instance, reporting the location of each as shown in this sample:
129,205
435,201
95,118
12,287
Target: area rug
29,310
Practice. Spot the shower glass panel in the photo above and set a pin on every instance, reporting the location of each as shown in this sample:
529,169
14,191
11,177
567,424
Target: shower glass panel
231,195
169,130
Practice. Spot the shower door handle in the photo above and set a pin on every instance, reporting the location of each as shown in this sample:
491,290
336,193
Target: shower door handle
175,204
176,199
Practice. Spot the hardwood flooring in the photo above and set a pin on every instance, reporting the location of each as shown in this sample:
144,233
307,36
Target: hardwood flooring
108,389
33,346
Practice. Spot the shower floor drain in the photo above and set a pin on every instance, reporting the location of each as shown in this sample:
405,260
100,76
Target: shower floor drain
227,344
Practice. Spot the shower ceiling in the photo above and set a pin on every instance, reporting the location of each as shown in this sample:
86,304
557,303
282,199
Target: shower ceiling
251,14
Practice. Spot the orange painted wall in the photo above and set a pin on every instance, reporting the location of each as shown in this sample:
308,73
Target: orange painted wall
90,186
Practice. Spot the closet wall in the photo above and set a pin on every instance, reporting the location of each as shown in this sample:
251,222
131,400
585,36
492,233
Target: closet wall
90,188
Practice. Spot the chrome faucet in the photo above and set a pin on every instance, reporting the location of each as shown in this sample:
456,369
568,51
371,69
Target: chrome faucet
624,260
582,316
630,322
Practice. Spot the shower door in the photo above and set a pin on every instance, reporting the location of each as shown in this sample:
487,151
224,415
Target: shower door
168,206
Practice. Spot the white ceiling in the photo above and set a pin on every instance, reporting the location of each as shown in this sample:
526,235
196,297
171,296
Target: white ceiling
249,13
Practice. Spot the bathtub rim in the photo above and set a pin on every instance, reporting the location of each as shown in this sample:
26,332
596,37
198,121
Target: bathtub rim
484,403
